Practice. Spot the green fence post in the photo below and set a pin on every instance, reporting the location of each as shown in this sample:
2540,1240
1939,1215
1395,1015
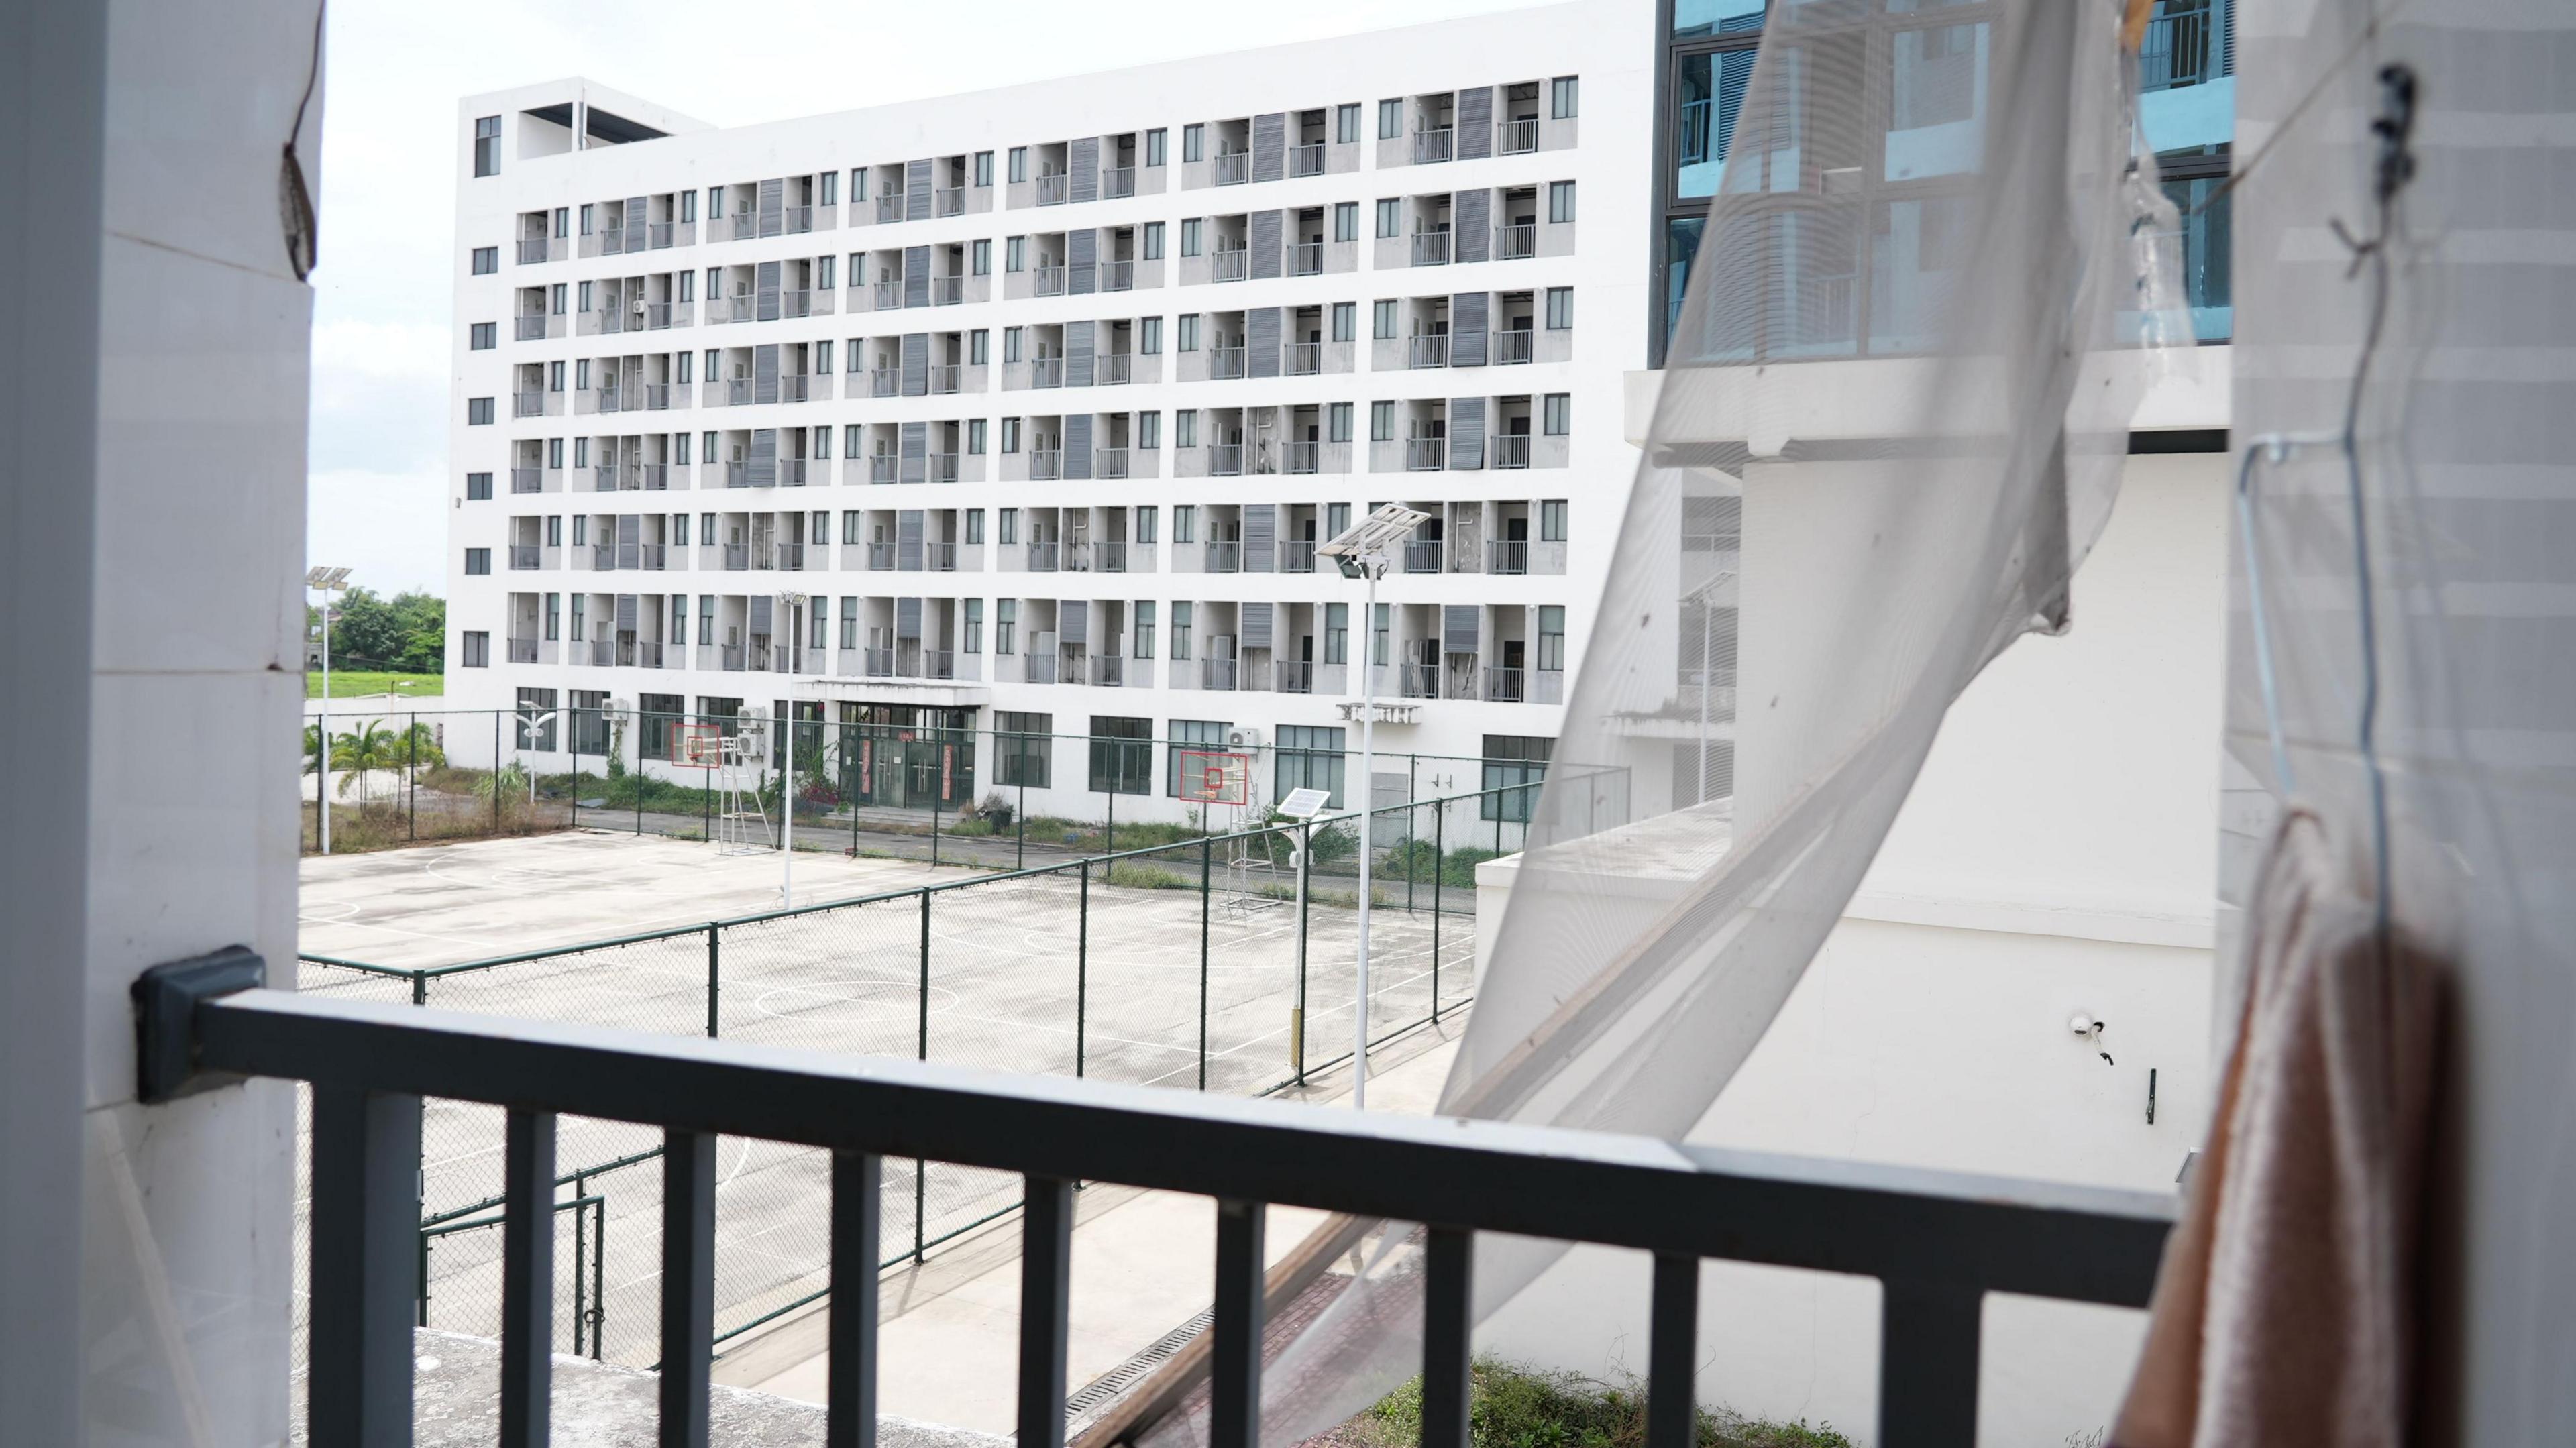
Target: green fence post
420,987
715,978
411,780
1020,851
1111,846
935,803
1439,882
639,777
920,1166
1207,854
1082,969
496,771
598,1276
572,751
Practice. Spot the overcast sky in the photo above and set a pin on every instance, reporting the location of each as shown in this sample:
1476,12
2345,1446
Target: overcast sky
397,67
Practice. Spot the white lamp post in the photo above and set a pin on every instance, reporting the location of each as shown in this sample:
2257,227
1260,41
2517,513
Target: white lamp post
1361,552
330,581
788,602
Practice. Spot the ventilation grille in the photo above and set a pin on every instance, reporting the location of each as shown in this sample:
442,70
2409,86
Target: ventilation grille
1103,1390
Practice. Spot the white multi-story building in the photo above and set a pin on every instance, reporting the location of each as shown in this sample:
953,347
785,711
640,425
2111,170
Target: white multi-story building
1027,409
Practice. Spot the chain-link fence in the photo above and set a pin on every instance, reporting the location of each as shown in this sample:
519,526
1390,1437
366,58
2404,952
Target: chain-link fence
990,798
1224,962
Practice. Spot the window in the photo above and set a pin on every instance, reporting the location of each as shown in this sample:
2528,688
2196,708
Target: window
688,212
1379,635
1010,440
823,278
1189,332
487,260
858,188
1560,201
1562,95
1185,526
1560,308
1381,422
1185,429
1187,736
1010,348
1122,755
482,336
477,650
974,642
478,562
478,412
1309,757
1193,143
1337,633
1006,626
852,521
1337,519
983,168
979,347
1390,217
554,453
554,606
1551,520
1008,526
487,145
1148,531
1143,645
688,282
1158,146
1180,610
554,377
585,296
1153,241
1551,637
1337,422
1019,164
1190,234
830,193
535,703
1382,320
1149,430
586,210
680,529
707,609
1514,765
1390,120
975,437
563,222
1346,123
1346,321
1346,221
975,525
1149,336
707,529
558,297
981,257
478,487
715,199
1015,254
1021,740
1559,414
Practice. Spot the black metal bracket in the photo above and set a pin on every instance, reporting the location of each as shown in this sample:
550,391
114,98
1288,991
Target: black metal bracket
165,1012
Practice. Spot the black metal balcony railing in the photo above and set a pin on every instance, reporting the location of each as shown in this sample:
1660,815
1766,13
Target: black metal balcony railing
1422,555
1305,359
1305,258
1300,457
2176,50
1507,555
1511,243
1306,160
1513,345
1297,555
1508,450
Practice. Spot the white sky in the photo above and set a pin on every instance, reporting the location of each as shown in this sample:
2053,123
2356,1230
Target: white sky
396,68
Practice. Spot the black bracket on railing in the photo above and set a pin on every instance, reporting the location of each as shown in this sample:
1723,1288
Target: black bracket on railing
165,1014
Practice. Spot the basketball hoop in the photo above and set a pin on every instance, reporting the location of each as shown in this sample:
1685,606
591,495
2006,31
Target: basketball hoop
698,746
1216,777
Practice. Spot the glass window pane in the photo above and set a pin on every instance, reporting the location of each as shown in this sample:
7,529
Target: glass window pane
1936,101
1708,94
1700,18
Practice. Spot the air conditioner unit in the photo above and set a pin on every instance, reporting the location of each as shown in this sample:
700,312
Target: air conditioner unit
1243,736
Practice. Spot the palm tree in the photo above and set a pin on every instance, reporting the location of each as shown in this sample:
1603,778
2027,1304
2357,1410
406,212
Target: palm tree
509,784
418,745
370,746
312,747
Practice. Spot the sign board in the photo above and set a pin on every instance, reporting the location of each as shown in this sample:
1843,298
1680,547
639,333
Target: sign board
1210,776
1304,804
1386,713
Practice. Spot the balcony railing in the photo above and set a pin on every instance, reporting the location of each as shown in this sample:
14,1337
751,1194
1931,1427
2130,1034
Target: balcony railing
947,291
737,392
797,219
1047,281
527,480
939,557
527,404
795,387
1434,145
1233,168
737,557
1417,681
1305,359
1225,459
531,328
1508,450
888,297
650,556
657,315
1117,182
2175,51
1293,676
730,658
1301,457
1430,248
1297,555
658,235
523,651
1114,368
797,302
884,381
524,555
1305,258
1225,557
1507,555
1046,372
1043,557
1503,686
1109,671
1053,188
881,467
532,249
1225,362
1229,264
890,206
1511,243
1422,555
1306,160
939,467
948,201
1118,276
1046,464
1512,346
1427,349
1426,454
881,556
746,224
1038,669
1109,556
1109,462
878,662
1516,138
1216,673
945,378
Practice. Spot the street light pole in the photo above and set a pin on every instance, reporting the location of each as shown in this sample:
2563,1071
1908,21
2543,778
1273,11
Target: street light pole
330,581
788,602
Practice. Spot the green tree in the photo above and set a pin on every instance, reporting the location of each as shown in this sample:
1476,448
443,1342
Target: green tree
370,746
406,633
419,745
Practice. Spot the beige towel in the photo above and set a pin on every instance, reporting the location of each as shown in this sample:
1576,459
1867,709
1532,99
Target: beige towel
2284,1310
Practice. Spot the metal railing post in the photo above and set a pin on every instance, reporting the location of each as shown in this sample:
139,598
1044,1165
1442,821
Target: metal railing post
1439,882
715,979
935,803
1207,855
1110,847
496,771
572,751
920,1166
1020,851
1305,914
1082,969
411,780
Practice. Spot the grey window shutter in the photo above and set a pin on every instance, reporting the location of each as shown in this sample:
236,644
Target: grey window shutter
1467,329
1260,538
766,293
635,224
1261,342
1077,445
916,190
1475,123
907,540
1082,158
625,607
907,617
773,207
1078,354
764,457
1269,146
1081,262
630,554
912,461
1458,628
760,606
1466,432
916,276
1256,626
764,373
916,364
1263,228
1471,225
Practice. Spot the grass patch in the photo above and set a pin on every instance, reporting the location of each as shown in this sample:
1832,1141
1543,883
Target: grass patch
354,683
1517,1407
1146,877
1419,861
